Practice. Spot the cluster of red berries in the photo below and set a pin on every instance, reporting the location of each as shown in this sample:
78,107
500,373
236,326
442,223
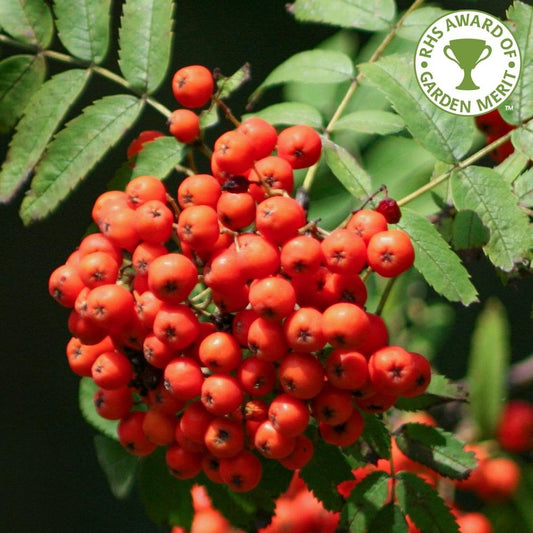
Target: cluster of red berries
493,127
220,323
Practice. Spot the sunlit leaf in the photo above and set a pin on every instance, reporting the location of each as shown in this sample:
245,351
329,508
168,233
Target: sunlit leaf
523,188
28,21
228,85
522,139
83,27
159,157
419,21
374,121
289,113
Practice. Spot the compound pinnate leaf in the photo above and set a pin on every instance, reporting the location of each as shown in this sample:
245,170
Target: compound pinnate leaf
522,139
419,21
86,393
42,116
27,21
468,232
347,169
482,190
376,435
310,66
447,136
159,157
368,496
20,77
290,113
370,16
435,448
75,150
488,364
145,39
375,121
119,466
327,468
523,188
424,505
228,85
389,519
438,264
519,106
83,27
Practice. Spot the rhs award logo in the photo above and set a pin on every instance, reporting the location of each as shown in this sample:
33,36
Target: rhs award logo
467,62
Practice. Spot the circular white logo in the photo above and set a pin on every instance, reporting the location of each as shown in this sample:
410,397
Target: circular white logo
467,62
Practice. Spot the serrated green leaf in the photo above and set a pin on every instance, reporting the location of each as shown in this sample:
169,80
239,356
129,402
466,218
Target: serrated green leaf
519,106
167,500
419,21
310,66
360,14
523,188
289,113
27,21
346,169
438,264
76,150
435,448
368,496
20,77
488,364
46,109
389,519
522,139
159,157
86,393
228,85
327,468
119,466
374,121
482,190
440,390
83,27
424,505
145,40
512,166
449,137
376,435
468,232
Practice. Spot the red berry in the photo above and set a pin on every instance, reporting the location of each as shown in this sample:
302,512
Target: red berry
193,86
390,210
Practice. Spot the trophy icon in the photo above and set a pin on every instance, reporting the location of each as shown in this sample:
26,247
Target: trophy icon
467,53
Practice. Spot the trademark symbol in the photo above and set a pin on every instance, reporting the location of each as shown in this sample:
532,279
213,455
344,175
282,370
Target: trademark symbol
508,107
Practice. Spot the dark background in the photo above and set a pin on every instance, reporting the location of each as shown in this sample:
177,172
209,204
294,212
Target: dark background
50,478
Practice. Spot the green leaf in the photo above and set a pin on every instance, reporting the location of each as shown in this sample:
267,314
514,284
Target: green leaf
374,121
519,106
119,466
449,137
346,169
326,469
83,27
488,364
376,435
419,21
468,232
523,188
482,190
438,264
76,150
440,391
86,393
20,77
28,21
435,448
145,39
167,500
522,139
228,85
364,502
389,519
512,166
159,157
46,109
424,505
289,113
374,16
311,66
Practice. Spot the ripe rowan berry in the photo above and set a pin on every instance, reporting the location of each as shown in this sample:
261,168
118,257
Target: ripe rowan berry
258,258
378,336
242,472
85,329
111,370
183,378
98,268
266,339
221,394
171,277
301,375
423,376
154,221
184,125
303,330
301,255
233,152
272,298
176,325
64,285
273,171
131,434
500,477
301,455
224,437
262,135
107,201
119,226
198,227
199,189
344,252
160,399
159,427
343,288
393,370
366,223
182,463
193,86
279,218
288,415
113,404
332,405
143,188
110,306
81,356
345,325
300,145
223,271
241,324
256,376
346,369
98,242
390,253
236,210
515,427
156,352
344,434
272,444
474,522
144,254
378,402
